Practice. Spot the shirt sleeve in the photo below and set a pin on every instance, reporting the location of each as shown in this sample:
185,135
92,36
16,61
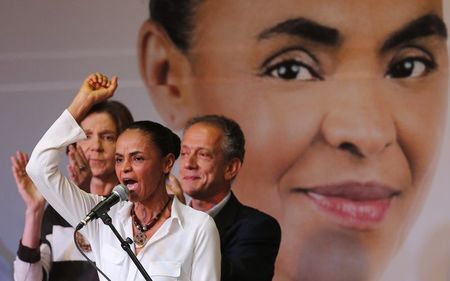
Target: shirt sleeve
32,264
206,262
63,195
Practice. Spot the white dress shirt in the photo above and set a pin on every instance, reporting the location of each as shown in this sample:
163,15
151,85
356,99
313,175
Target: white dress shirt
185,247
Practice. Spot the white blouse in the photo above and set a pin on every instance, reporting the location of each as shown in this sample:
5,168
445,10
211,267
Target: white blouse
186,247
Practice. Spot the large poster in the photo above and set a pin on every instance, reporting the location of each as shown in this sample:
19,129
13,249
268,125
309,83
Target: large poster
343,105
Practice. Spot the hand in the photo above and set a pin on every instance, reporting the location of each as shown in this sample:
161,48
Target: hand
173,186
78,168
94,89
33,199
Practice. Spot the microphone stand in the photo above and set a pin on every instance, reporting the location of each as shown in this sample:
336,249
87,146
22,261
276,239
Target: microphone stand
125,245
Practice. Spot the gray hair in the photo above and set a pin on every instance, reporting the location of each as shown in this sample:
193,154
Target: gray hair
233,138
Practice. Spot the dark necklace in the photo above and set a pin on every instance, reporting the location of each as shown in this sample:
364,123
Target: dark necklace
140,239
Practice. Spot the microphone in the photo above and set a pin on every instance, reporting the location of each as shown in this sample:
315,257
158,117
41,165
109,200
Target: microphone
119,193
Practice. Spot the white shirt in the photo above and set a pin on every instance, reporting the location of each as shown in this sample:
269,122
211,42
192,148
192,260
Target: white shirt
219,206
186,247
216,208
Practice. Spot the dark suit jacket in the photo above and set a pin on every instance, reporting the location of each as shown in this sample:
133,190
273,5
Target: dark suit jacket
249,241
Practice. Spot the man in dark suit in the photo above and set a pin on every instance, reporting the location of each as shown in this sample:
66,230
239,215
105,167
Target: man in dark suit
212,153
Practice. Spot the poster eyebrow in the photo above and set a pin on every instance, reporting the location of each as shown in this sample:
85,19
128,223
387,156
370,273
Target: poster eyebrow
305,28
427,25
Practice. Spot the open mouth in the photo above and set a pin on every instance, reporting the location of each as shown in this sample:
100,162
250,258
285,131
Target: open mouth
131,184
353,205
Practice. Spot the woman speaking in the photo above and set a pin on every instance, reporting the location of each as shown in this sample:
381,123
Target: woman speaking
171,241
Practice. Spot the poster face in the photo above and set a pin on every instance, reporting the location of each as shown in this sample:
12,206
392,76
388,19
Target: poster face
342,103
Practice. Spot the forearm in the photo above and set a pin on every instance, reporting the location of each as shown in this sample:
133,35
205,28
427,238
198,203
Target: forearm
32,228
43,168
79,108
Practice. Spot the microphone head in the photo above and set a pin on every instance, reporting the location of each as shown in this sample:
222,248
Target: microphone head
122,191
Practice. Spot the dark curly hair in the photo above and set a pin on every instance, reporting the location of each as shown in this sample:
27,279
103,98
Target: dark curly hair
166,140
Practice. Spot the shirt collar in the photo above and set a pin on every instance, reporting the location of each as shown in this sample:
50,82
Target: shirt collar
124,212
219,206
176,213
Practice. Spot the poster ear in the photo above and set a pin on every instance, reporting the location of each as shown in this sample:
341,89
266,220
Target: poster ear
163,66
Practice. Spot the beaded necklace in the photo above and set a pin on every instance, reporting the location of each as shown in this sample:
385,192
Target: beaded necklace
139,238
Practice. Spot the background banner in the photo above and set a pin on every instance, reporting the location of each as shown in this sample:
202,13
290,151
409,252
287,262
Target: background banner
343,103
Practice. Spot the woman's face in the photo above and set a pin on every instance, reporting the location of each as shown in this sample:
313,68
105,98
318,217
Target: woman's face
342,104
140,166
100,145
